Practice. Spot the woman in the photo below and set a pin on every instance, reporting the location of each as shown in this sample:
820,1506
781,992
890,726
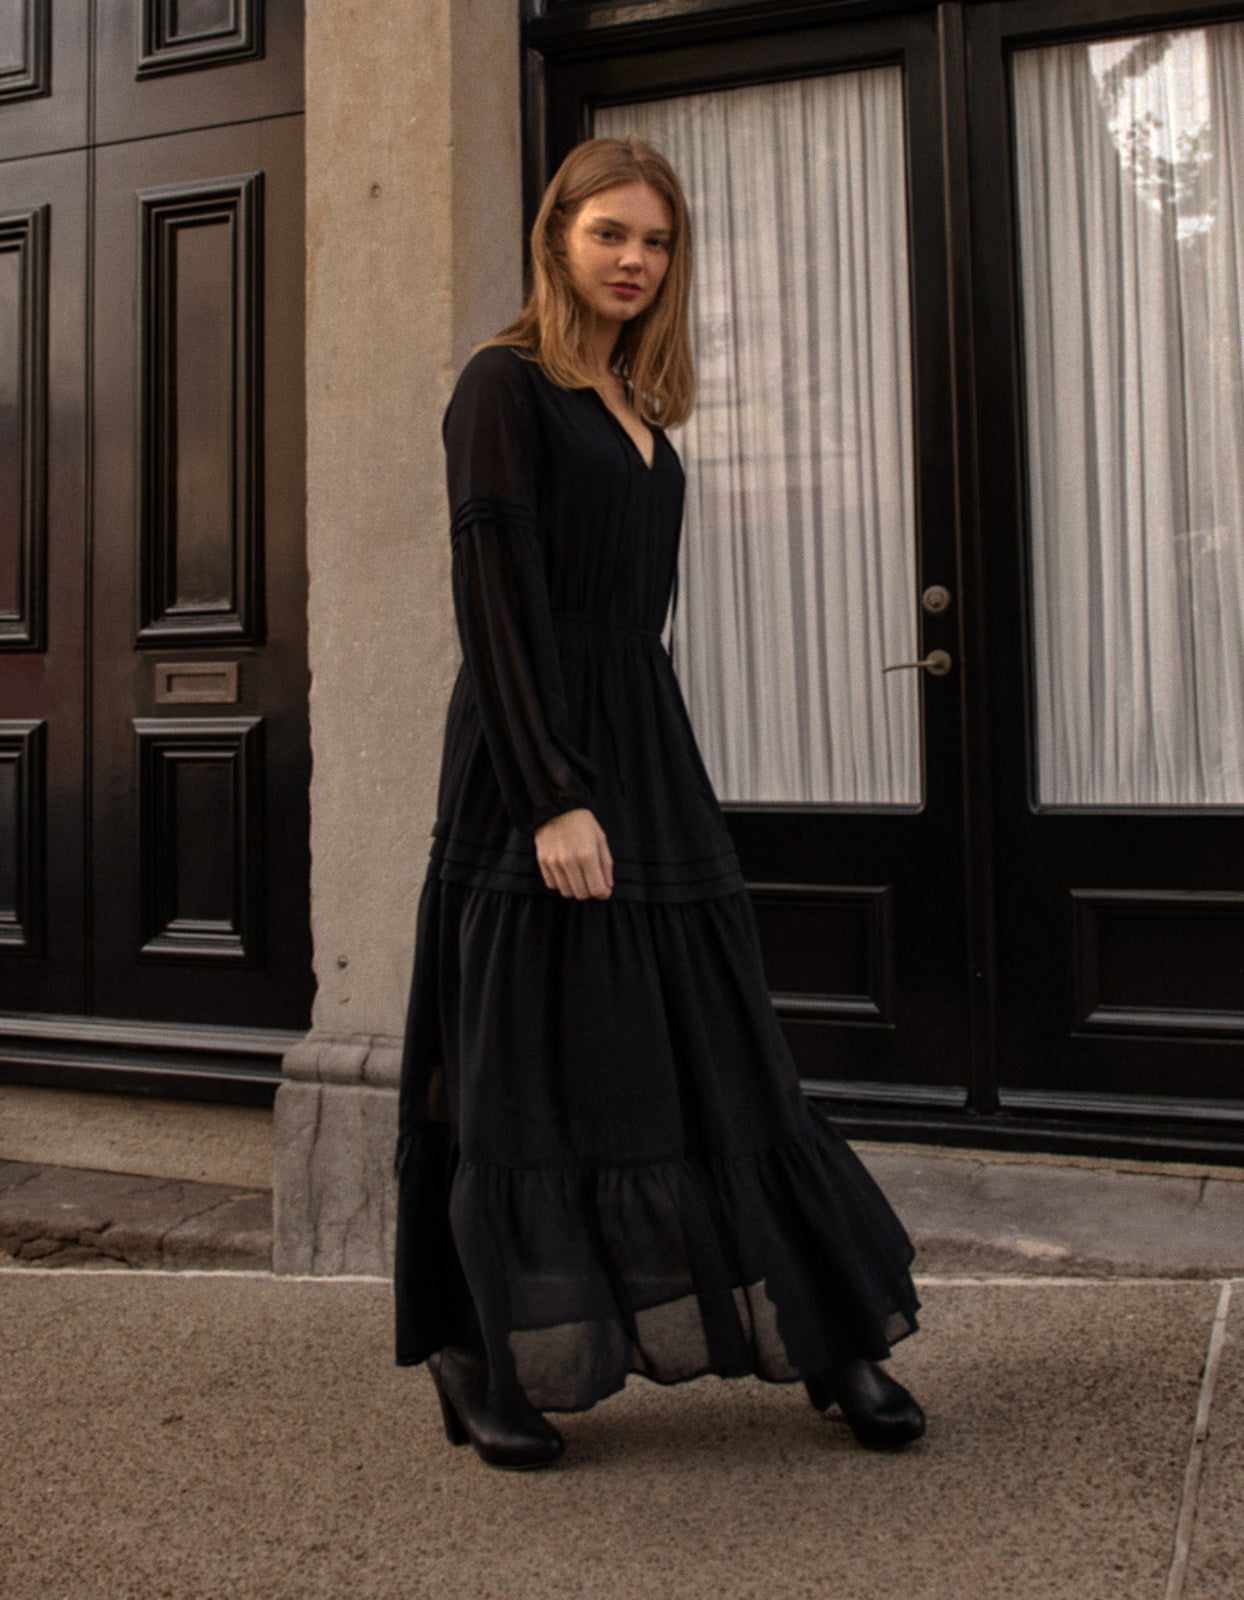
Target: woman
606,1164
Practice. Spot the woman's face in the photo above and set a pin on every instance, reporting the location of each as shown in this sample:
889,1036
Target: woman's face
618,250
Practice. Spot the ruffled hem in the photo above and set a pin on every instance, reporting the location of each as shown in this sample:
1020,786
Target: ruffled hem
775,1262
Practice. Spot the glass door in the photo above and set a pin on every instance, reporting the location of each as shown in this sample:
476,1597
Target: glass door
1108,171
816,637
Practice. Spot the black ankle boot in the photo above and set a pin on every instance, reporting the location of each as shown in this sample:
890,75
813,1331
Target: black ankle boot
879,1411
516,1441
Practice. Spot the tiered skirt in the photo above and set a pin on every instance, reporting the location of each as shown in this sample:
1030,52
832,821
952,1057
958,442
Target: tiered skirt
606,1163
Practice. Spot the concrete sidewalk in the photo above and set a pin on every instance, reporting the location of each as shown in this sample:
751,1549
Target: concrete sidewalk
205,1436
243,1437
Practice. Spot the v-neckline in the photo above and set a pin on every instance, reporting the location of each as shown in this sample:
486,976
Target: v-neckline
626,432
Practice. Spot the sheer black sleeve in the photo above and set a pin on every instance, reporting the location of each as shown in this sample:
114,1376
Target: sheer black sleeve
501,598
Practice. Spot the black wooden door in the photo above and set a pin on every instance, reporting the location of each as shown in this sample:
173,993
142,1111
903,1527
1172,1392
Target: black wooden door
43,256
154,746
862,907
200,820
1120,924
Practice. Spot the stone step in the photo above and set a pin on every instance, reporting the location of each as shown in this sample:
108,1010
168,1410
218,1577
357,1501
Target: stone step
67,1216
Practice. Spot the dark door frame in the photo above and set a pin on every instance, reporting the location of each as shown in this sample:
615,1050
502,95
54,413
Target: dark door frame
560,39
1079,1049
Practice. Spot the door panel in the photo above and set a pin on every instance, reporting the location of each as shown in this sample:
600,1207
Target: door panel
820,469
43,251
43,66
200,822
163,67
1110,428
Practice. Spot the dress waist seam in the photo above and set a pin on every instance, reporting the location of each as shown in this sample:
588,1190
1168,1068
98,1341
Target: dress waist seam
721,886
526,857
608,622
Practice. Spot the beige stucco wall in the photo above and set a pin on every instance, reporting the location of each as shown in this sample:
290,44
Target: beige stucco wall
413,256
413,230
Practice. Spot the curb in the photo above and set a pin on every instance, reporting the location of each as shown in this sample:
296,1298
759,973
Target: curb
974,1213
66,1216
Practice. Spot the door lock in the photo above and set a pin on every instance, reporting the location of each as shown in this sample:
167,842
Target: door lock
936,599
937,664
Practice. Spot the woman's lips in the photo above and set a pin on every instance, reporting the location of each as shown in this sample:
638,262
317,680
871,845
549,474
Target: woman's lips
628,291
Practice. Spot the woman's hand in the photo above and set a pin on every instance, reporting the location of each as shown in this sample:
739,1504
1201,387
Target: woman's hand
574,855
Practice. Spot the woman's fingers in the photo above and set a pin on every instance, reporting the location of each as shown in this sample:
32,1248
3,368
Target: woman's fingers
574,857
602,866
594,876
585,878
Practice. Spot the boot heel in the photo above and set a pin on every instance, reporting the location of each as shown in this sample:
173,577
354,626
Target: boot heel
818,1392
515,1437
454,1430
879,1412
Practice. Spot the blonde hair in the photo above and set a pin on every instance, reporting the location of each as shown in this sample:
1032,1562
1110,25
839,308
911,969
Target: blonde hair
653,353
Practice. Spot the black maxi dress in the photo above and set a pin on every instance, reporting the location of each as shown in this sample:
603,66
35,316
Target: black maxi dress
605,1160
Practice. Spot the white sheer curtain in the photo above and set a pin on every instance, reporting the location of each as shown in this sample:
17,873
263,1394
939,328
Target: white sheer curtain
1130,189
797,576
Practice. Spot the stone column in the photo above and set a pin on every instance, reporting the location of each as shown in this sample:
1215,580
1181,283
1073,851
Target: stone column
414,221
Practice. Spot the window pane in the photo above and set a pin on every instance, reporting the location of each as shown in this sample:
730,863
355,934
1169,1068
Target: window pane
1130,190
797,573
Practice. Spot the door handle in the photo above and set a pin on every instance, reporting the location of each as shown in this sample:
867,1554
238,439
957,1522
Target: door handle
937,664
